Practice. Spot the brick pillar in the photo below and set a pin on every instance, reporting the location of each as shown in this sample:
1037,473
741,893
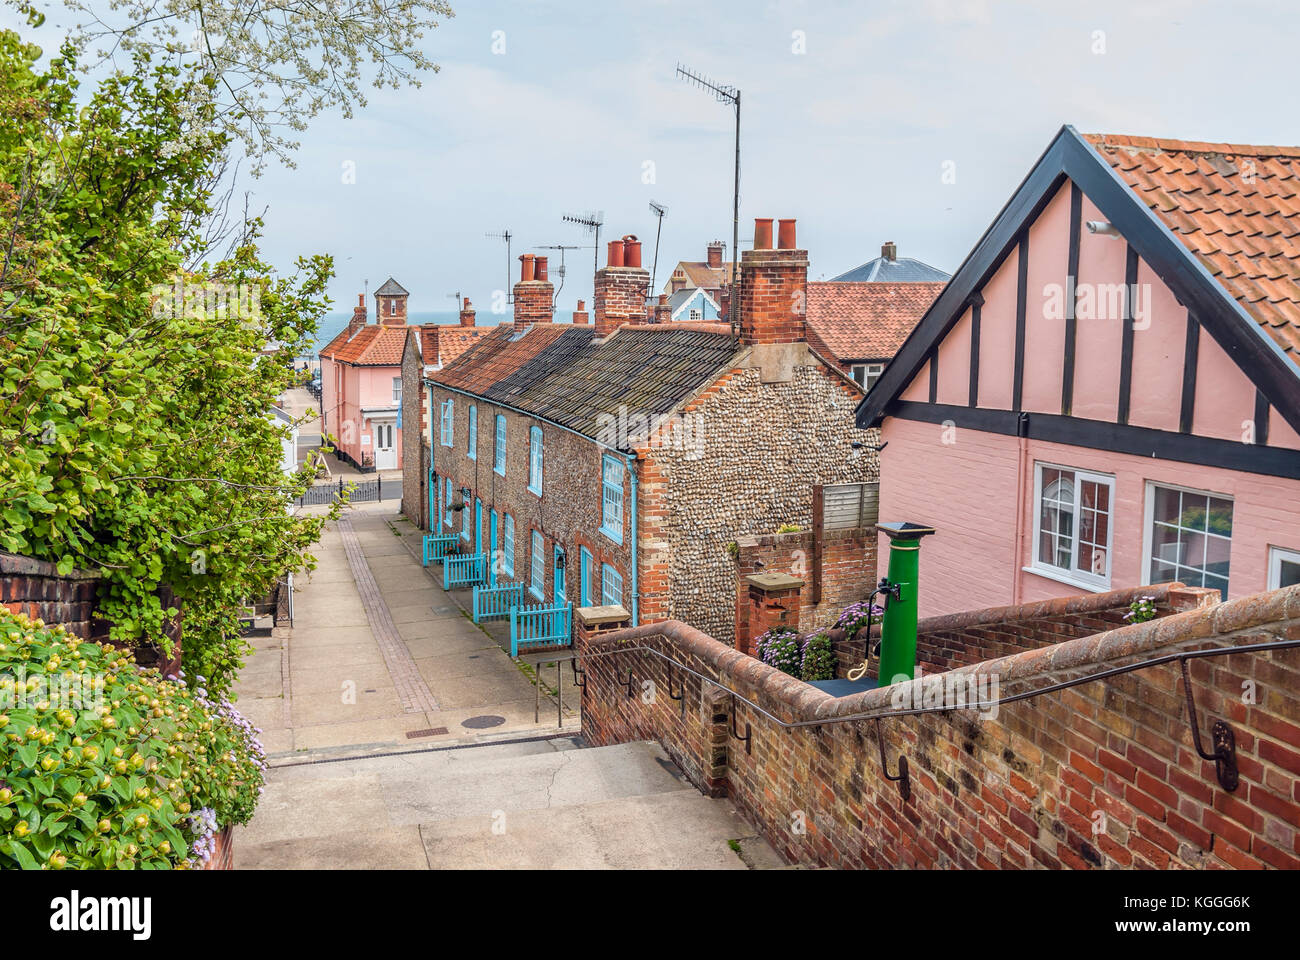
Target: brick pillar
773,289
774,600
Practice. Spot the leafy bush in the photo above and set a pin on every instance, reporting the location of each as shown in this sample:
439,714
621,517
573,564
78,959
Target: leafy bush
780,648
103,764
818,658
858,616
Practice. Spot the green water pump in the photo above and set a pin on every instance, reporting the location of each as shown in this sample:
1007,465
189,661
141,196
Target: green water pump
899,592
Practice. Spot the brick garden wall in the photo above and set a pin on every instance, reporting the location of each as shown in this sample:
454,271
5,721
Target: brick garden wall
848,572
1100,775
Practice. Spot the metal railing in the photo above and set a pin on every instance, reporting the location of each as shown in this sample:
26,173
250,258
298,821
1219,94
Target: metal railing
367,490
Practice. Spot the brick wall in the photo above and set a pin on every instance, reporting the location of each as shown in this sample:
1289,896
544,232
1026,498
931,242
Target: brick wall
848,572
415,468
1101,775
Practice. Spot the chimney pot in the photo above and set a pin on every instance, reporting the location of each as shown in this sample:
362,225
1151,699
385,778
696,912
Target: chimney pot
785,235
539,272
615,253
526,267
631,251
763,233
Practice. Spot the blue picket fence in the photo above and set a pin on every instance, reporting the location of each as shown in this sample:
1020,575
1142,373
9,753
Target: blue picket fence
463,570
437,546
537,626
495,603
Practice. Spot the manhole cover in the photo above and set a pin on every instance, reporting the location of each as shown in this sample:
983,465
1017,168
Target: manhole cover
480,723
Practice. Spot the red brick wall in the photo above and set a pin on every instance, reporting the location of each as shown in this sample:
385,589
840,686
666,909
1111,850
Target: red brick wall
1099,775
619,297
533,302
773,295
848,573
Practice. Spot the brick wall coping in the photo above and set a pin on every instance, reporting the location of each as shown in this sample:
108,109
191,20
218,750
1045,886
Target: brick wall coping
795,536
12,564
793,701
1087,603
609,613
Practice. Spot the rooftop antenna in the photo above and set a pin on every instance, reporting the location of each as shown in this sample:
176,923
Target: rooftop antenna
456,296
725,93
658,209
505,235
559,271
592,223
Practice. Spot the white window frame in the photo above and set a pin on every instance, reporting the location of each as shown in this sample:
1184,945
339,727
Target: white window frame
866,374
535,460
1276,557
696,314
446,432
611,586
471,445
499,445
611,498
464,515
397,389
1073,576
537,566
446,506
1148,520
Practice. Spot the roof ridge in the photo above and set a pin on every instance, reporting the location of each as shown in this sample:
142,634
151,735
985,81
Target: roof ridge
1170,145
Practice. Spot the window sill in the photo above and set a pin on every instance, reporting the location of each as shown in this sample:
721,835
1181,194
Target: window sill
535,492
536,594
1060,576
612,535
499,473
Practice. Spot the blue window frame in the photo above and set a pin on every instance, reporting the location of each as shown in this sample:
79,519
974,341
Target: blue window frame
557,578
611,498
611,586
471,449
508,546
538,564
446,504
448,413
584,577
465,511
535,460
499,463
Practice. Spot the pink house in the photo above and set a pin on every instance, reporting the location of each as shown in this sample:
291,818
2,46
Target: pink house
361,383
1107,393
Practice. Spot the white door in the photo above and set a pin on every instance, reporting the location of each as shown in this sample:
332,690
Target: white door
385,446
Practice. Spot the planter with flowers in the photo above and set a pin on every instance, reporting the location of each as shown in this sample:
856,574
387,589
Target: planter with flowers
107,765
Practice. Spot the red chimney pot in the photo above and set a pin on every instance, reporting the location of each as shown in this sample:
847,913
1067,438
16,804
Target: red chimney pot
631,251
526,267
540,269
615,253
763,233
785,235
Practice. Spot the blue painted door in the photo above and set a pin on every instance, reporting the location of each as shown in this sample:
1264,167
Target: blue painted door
478,525
584,577
559,575
492,546
433,501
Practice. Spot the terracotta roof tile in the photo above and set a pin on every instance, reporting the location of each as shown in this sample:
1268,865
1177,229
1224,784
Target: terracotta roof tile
442,343
372,346
867,321
1236,207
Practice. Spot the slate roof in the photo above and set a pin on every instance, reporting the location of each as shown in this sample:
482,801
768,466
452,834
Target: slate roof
569,378
1236,207
901,270
373,346
867,321
391,288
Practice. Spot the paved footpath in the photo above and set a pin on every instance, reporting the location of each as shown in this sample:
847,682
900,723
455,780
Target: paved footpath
400,734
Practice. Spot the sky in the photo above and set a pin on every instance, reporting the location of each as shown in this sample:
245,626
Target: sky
910,122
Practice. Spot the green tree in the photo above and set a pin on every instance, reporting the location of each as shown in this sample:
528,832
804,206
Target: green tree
135,435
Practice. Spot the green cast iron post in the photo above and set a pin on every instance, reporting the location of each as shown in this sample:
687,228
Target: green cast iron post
898,627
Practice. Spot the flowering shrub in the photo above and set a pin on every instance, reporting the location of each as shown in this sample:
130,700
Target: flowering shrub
1141,610
780,648
858,616
103,764
818,658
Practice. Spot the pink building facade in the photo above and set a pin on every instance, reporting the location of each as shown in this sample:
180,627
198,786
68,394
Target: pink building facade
1097,400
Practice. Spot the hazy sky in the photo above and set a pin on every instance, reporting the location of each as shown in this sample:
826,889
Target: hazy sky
852,136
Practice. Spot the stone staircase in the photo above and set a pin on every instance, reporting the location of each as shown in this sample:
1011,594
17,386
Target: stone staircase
540,804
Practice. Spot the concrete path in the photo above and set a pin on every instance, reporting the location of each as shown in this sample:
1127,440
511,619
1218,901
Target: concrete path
402,735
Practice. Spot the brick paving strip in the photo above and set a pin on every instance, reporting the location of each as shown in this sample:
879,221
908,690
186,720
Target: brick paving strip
414,693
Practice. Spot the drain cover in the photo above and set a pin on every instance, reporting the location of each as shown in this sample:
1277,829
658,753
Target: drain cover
481,723
430,732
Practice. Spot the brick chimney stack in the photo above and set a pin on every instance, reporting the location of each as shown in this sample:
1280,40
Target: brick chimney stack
358,315
661,312
889,251
622,288
773,287
715,255
533,293
467,314
580,315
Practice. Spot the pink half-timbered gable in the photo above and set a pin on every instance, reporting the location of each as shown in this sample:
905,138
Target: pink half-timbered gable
1107,392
